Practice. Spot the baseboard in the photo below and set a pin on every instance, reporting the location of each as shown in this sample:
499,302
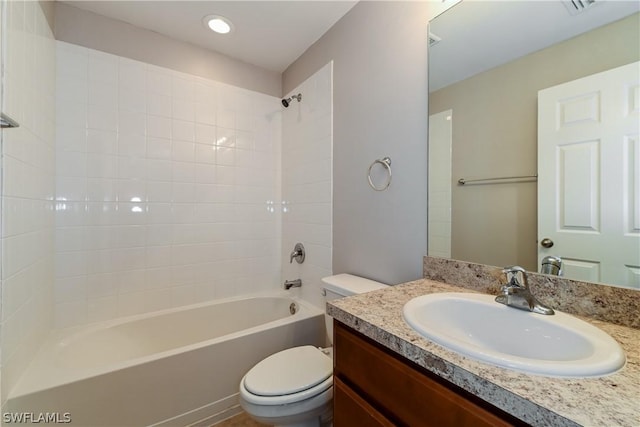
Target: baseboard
206,415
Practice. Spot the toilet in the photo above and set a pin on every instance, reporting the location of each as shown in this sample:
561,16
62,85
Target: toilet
294,387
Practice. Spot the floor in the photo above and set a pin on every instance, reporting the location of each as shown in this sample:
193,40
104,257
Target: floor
240,420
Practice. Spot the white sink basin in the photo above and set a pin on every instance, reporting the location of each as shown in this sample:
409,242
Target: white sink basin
476,326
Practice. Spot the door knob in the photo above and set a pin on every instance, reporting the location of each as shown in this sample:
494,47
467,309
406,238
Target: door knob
546,242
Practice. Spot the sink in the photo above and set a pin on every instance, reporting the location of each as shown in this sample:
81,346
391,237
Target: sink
476,326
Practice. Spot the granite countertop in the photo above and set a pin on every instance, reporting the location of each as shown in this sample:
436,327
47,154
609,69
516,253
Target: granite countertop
608,401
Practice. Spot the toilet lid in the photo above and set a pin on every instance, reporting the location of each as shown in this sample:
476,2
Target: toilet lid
289,371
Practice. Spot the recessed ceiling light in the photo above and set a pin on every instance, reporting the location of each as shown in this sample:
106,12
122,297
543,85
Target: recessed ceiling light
217,23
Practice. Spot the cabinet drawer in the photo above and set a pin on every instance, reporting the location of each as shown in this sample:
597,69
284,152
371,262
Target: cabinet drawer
406,394
351,410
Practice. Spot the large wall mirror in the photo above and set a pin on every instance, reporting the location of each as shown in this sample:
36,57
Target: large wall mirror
488,63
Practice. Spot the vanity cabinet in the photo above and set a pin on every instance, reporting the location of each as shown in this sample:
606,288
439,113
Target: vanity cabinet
376,387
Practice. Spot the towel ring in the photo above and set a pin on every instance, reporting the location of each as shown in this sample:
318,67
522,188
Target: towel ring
386,162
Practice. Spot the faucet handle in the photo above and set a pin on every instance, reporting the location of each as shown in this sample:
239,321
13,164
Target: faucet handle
516,293
516,276
298,254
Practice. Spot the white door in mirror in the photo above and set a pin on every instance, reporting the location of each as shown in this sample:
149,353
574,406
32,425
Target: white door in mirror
589,176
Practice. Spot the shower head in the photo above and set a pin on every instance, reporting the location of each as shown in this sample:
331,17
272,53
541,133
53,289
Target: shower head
287,101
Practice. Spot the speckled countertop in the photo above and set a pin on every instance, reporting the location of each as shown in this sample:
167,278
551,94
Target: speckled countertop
541,401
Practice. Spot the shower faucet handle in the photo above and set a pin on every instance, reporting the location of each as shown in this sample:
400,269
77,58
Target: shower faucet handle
298,254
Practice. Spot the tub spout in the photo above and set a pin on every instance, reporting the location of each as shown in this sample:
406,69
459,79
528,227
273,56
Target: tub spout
288,284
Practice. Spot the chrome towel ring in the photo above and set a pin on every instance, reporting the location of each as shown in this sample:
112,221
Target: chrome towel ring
386,162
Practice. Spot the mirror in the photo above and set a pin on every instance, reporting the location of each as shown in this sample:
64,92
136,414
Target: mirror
487,62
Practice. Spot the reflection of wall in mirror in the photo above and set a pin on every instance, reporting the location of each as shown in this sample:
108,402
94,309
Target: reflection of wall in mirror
495,135
439,214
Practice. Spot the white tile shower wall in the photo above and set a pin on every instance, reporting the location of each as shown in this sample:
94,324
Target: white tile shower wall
166,187
28,162
439,212
307,144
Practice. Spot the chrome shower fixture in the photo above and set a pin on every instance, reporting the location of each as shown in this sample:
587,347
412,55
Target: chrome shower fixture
287,101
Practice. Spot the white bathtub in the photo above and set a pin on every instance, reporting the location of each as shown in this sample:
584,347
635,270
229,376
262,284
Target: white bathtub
173,367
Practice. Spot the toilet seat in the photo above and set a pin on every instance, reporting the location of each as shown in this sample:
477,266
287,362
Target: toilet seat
287,398
288,376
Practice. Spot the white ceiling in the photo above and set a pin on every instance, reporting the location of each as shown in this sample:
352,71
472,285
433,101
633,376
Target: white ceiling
478,35
269,34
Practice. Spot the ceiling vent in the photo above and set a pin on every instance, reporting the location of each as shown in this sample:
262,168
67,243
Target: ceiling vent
578,6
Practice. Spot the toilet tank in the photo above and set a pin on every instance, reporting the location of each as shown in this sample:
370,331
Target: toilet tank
344,285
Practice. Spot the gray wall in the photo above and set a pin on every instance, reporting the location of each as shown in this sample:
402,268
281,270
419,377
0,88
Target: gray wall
379,51
495,134
94,31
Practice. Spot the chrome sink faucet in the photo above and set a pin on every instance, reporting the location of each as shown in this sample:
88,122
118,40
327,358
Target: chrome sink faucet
515,293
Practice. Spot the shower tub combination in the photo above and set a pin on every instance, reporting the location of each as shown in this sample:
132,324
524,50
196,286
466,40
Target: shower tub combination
173,367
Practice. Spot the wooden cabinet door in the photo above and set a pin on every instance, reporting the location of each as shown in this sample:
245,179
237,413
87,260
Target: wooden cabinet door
405,394
349,409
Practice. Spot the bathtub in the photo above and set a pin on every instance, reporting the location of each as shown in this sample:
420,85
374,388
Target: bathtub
168,368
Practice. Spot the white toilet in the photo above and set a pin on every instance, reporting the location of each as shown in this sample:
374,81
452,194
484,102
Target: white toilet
294,387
